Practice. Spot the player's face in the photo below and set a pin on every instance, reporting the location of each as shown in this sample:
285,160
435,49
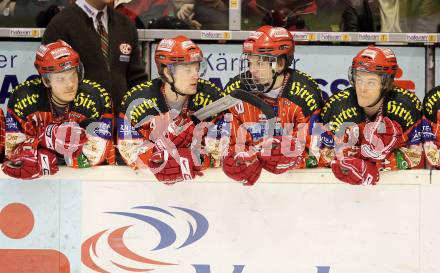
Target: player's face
186,77
260,68
64,85
368,88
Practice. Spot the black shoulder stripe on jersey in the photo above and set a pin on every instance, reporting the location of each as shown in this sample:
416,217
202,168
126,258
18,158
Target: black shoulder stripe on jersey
144,100
27,98
207,92
302,90
431,104
402,106
341,108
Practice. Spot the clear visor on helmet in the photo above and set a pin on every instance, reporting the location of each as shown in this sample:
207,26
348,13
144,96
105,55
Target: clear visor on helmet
256,71
62,74
197,68
371,83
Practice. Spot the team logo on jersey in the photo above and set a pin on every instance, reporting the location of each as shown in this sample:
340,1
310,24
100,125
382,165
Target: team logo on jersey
125,48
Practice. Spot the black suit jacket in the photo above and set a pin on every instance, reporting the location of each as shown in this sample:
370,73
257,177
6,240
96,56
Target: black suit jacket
126,69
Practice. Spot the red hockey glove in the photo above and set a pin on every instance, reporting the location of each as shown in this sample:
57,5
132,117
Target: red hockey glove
169,170
380,138
242,166
355,171
28,162
180,132
278,156
66,138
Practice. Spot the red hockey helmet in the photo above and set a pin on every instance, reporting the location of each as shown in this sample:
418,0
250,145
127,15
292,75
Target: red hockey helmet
268,44
178,50
268,40
381,61
376,59
57,57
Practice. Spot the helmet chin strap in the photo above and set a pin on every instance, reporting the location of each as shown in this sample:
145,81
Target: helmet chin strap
173,87
275,76
274,79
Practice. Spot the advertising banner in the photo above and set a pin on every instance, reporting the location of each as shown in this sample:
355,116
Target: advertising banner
40,226
327,64
228,228
140,225
16,65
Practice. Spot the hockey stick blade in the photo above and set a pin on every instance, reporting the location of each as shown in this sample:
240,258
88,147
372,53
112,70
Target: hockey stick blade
231,100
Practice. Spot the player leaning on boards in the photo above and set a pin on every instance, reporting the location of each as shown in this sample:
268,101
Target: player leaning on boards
47,117
295,98
431,127
155,129
385,131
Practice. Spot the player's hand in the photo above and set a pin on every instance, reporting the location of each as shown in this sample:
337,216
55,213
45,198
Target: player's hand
66,138
279,155
380,138
180,132
242,166
355,171
170,170
29,162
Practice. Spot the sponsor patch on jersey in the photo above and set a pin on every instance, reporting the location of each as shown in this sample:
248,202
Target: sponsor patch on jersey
125,48
103,128
166,45
11,124
415,136
427,134
126,130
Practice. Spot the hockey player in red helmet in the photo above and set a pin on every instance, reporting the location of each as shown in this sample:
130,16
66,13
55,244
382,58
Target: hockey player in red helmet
431,127
385,131
48,117
294,97
155,130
